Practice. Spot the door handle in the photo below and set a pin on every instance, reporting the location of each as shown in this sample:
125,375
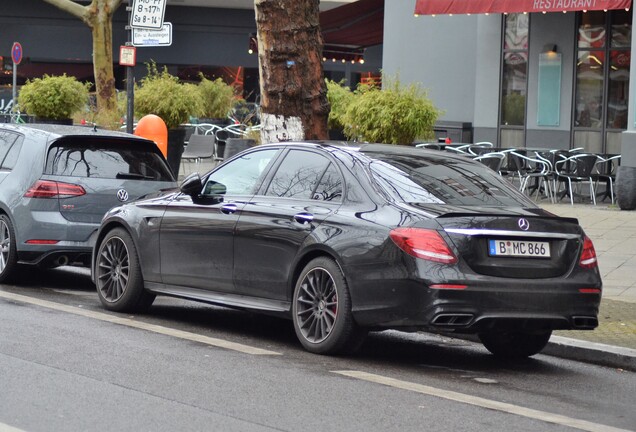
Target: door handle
228,208
303,218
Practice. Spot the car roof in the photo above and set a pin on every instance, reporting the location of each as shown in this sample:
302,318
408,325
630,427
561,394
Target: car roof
369,149
55,131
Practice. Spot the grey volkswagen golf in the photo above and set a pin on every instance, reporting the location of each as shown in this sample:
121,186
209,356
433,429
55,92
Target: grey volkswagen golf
56,184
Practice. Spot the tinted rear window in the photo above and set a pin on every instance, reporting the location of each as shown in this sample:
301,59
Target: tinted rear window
107,159
411,178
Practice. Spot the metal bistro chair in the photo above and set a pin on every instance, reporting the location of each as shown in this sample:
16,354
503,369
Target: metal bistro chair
605,170
493,160
536,169
577,169
199,147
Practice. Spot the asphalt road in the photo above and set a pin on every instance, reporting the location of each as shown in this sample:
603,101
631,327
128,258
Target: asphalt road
67,365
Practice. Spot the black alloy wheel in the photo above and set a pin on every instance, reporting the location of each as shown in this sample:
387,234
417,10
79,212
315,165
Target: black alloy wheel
118,275
515,345
322,310
8,252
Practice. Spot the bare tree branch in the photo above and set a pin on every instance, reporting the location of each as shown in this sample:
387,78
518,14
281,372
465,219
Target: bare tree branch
114,4
70,7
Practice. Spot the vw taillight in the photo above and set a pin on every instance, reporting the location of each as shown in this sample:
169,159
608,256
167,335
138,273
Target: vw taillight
53,189
423,243
588,256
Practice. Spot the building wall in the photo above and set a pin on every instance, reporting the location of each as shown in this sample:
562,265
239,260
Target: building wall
458,58
438,52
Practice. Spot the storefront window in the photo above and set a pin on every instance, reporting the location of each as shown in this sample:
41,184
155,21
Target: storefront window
514,80
515,70
602,79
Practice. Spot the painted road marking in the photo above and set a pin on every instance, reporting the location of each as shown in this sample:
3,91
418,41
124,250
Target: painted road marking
7,428
481,402
219,343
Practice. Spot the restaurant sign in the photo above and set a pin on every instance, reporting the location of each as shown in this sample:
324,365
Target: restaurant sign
447,7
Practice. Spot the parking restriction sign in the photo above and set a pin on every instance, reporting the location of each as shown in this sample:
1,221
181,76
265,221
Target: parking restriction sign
148,14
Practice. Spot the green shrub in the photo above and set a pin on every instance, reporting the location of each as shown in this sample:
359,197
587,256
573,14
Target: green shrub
339,97
217,96
395,114
162,94
53,97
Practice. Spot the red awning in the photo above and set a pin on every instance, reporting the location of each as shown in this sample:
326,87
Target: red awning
357,24
446,7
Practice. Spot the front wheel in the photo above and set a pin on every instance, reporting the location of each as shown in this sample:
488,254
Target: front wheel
8,252
322,310
515,344
118,278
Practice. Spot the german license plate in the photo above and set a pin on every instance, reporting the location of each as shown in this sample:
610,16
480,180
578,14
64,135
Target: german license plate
519,248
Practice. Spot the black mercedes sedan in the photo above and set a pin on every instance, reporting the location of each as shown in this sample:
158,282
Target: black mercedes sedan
344,239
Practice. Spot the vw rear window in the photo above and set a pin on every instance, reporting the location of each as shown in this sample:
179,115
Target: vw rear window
111,159
453,181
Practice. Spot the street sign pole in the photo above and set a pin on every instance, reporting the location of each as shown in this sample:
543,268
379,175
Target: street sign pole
130,79
16,58
15,85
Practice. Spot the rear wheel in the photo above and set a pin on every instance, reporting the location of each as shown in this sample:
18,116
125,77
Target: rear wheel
322,310
515,344
8,252
118,278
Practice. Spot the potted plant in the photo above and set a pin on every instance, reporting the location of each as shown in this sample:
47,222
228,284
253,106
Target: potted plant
53,99
162,94
217,98
395,114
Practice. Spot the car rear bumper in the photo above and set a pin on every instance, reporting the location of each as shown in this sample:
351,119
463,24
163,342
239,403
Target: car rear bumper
498,304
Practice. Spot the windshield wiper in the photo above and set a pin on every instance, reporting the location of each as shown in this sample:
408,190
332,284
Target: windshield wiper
123,175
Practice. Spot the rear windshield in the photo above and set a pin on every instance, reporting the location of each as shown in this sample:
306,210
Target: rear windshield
422,179
107,158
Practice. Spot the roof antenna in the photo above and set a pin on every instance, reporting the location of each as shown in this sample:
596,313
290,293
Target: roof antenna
94,127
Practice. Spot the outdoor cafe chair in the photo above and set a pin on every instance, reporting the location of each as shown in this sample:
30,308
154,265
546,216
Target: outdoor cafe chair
576,169
199,147
536,169
605,170
492,160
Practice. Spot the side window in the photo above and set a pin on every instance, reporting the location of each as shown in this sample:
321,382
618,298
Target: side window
12,155
7,139
330,186
298,175
241,176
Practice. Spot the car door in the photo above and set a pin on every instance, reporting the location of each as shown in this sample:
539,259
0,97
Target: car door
196,240
304,190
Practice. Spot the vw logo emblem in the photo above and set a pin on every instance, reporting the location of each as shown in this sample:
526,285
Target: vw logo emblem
524,224
122,195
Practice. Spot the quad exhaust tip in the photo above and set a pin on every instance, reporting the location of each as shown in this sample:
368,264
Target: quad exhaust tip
584,322
452,320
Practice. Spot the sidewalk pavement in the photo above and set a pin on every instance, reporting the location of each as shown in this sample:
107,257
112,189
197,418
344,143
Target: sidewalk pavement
613,342
613,232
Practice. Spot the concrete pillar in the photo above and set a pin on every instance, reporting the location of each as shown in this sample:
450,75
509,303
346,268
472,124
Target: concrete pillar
626,176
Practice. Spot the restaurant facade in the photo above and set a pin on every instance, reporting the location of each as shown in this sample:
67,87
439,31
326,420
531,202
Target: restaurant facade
523,73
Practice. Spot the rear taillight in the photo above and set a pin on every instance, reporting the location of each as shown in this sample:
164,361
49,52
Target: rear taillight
53,189
588,256
423,243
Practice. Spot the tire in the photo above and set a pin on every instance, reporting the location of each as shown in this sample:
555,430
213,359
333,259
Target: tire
120,285
321,310
515,345
8,251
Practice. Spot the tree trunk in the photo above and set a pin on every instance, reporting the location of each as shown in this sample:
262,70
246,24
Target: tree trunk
293,92
101,24
99,17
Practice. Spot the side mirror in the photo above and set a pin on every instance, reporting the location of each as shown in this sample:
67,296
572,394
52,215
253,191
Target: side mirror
191,185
